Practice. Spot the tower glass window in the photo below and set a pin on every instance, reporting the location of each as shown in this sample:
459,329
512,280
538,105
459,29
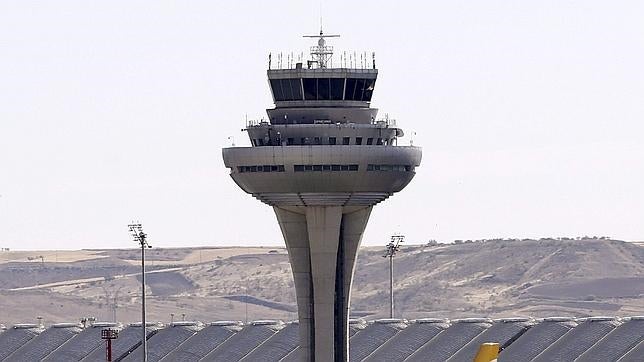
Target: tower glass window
337,87
323,89
350,89
287,94
276,86
287,89
368,89
296,89
310,89
357,95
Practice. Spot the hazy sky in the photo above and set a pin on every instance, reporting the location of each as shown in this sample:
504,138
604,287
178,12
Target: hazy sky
530,115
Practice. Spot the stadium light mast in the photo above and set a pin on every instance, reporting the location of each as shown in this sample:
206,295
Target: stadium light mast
391,249
139,236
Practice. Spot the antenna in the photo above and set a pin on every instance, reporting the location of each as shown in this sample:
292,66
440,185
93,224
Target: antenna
320,16
322,53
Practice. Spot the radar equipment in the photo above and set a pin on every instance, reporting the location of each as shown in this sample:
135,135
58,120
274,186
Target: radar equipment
321,54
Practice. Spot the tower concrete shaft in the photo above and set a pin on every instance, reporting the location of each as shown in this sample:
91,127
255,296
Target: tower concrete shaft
322,243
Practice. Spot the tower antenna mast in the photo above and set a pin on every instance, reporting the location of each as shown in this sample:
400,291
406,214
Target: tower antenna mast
321,54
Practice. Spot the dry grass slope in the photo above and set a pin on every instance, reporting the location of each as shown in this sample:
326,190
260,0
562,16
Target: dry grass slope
493,278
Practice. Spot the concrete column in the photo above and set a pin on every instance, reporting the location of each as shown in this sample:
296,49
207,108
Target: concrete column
295,234
323,224
323,244
353,226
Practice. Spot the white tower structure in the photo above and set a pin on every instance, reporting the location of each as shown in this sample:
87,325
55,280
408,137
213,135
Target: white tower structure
322,161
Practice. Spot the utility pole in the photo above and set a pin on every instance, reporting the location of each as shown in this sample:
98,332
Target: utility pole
139,236
392,248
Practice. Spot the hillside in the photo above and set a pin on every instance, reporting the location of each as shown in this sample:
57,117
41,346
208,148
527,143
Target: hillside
493,278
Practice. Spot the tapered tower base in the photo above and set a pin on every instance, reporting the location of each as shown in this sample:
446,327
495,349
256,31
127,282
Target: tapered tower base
322,243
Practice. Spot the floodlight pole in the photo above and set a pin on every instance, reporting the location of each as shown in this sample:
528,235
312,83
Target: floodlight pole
390,252
140,237
391,286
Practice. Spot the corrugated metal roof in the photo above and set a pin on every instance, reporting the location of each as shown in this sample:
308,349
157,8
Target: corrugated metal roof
16,337
576,341
277,346
82,344
537,339
129,338
165,341
549,339
244,341
204,341
409,340
46,342
364,342
445,344
616,343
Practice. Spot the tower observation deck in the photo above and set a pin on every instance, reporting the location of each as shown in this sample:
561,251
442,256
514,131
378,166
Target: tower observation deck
322,161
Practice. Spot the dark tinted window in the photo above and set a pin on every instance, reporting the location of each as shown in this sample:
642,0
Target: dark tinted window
350,89
310,89
358,89
345,140
358,140
296,89
369,141
277,89
331,140
307,168
337,85
286,89
368,91
357,96
323,88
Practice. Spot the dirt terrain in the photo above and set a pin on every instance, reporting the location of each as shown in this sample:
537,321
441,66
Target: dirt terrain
484,278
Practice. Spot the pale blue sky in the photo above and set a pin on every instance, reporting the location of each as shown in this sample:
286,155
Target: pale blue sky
529,114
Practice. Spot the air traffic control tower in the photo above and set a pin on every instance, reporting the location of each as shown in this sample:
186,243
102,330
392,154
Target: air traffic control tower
322,160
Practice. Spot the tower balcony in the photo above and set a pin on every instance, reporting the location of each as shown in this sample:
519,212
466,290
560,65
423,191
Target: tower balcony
322,175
